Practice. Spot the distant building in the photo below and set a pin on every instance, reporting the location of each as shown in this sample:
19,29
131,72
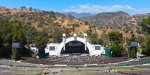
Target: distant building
73,45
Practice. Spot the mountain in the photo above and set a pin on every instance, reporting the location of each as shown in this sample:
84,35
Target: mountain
100,23
44,20
139,17
118,20
78,15
110,19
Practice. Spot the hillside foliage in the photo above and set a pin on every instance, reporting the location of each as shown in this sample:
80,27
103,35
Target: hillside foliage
15,31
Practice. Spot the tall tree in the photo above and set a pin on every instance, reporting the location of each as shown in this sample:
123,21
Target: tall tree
117,50
41,39
146,46
15,31
146,25
115,37
116,46
57,35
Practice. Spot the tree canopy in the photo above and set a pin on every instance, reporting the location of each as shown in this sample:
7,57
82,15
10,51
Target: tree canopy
116,46
146,25
115,37
15,31
145,46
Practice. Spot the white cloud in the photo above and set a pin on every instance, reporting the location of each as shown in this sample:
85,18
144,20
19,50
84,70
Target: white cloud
88,8
142,10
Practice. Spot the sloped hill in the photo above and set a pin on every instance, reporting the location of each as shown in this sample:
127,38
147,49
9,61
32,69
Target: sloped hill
117,20
48,20
108,19
139,17
44,20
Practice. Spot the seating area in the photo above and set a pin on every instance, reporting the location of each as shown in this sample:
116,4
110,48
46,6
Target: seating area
75,60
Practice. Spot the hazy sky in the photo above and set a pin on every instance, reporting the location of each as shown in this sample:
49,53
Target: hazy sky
83,6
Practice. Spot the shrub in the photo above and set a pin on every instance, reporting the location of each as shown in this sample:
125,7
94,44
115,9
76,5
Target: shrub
117,50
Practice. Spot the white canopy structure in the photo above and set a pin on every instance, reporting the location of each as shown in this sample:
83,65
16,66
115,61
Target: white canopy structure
74,44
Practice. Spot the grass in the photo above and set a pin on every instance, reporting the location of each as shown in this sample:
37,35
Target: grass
129,68
80,70
25,69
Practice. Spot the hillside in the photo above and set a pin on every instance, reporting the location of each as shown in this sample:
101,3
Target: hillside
44,20
118,20
101,23
114,19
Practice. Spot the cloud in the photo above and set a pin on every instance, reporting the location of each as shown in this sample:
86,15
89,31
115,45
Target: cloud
88,8
141,10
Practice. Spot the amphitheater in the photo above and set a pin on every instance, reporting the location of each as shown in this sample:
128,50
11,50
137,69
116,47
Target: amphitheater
75,56
75,51
74,45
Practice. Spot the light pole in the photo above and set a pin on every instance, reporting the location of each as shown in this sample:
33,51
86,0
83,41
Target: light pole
85,37
64,40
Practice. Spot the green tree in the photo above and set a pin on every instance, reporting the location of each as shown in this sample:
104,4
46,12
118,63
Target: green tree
93,38
146,46
133,37
40,39
115,37
100,41
117,50
29,33
5,38
116,46
146,25
15,31
57,35
146,28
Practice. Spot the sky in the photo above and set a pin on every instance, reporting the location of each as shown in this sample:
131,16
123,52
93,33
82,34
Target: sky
83,6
